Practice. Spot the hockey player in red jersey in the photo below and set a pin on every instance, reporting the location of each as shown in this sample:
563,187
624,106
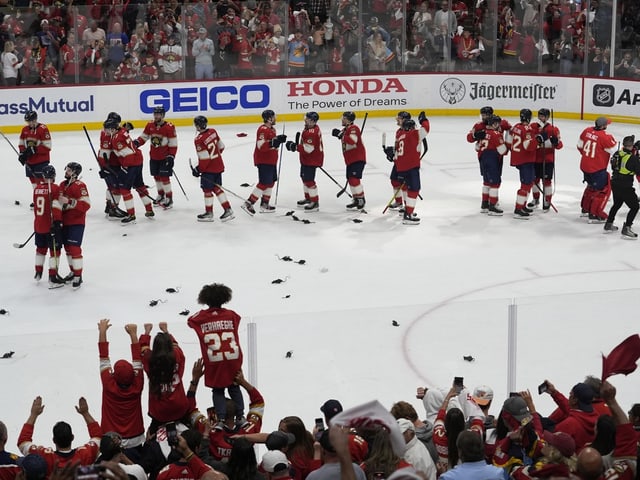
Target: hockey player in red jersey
548,137
522,143
47,225
34,147
396,184
130,174
122,388
265,158
355,157
217,330
75,202
309,146
406,155
109,168
209,148
478,133
162,153
596,146
491,149
63,454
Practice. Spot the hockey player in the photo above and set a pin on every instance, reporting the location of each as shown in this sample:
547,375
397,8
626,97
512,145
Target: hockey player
491,149
162,153
406,157
523,145
209,148
548,137
75,202
596,146
265,158
355,157
47,225
478,133
396,184
217,330
624,164
130,174
34,147
109,167
309,146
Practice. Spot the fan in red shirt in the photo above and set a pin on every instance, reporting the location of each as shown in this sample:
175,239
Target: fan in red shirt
122,391
74,199
34,147
63,454
596,147
164,366
47,225
309,147
265,158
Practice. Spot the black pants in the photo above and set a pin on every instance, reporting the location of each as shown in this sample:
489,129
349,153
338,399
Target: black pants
626,195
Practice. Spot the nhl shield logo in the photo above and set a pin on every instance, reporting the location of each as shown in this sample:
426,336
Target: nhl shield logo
452,90
603,95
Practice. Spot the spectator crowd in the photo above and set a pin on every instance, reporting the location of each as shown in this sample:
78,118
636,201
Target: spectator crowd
62,42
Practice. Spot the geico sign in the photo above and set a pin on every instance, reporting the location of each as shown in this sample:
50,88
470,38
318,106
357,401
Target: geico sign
358,86
199,99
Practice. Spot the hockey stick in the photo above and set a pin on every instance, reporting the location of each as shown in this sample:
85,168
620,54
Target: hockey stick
54,248
275,202
21,245
333,179
180,184
542,195
11,144
95,154
346,183
395,194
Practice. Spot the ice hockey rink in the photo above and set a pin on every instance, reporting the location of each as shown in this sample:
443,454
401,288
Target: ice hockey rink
447,283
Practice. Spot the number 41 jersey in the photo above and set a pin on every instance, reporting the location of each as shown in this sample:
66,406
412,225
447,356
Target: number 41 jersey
217,330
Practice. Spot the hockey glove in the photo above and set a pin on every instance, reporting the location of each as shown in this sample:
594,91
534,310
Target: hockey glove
281,138
479,135
30,151
56,230
124,170
104,173
22,158
275,143
422,117
554,140
540,139
389,152
291,146
136,143
195,171
336,132
169,162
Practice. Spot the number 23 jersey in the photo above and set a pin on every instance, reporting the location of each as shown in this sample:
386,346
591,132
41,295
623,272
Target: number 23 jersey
217,330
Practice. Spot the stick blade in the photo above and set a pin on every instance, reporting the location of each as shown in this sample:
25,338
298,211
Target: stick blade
18,245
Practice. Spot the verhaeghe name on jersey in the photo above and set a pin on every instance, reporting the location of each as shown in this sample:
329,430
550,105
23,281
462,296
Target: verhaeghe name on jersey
216,326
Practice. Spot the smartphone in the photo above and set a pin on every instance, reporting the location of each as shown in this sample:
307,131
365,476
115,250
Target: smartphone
458,384
543,387
319,427
88,472
172,434
514,394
